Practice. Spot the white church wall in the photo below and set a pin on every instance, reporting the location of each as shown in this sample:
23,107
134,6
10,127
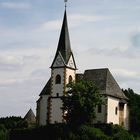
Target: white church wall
57,88
101,117
68,73
112,117
56,116
43,110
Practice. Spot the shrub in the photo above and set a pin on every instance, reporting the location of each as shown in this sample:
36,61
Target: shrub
92,133
3,132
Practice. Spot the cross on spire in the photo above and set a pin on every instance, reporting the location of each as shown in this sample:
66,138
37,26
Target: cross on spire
65,3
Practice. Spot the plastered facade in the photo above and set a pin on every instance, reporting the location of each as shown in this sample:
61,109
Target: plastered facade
56,115
58,90
101,116
43,110
112,104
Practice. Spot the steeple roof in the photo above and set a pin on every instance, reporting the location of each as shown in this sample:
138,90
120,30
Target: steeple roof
64,47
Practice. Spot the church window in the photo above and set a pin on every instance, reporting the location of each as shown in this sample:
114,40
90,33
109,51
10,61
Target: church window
57,94
116,110
58,79
70,79
99,108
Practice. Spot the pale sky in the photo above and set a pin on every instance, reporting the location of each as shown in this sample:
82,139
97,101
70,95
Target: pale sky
103,34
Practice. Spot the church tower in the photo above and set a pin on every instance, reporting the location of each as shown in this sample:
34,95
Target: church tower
63,71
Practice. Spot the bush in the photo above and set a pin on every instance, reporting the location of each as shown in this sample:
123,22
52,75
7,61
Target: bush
92,133
63,132
121,134
3,133
72,136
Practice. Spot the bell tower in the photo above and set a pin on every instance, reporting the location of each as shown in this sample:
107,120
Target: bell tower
63,70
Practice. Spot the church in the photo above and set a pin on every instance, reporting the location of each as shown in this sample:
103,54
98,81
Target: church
63,70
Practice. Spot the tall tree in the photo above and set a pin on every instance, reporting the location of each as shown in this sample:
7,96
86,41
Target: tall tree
80,102
134,107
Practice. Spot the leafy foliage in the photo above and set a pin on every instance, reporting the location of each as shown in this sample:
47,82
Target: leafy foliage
8,123
121,134
91,133
134,107
63,132
13,122
3,132
80,102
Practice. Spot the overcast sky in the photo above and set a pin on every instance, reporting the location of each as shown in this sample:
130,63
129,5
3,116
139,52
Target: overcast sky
103,33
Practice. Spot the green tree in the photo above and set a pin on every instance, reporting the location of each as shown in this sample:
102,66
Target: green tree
3,132
119,133
80,102
134,107
91,133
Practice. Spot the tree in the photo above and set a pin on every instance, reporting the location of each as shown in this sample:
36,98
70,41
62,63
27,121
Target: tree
80,102
13,122
3,132
134,106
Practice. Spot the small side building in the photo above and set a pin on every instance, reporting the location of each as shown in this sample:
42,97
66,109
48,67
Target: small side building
30,117
115,109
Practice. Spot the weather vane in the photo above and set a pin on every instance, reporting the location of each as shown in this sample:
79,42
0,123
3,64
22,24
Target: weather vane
65,3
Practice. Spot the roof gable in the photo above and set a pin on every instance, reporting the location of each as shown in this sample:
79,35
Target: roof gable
58,61
71,62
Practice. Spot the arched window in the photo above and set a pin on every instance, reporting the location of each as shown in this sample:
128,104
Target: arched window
116,110
70,79
58,79
57,94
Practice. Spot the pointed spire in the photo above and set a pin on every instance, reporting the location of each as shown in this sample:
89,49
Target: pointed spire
64,47
64,42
